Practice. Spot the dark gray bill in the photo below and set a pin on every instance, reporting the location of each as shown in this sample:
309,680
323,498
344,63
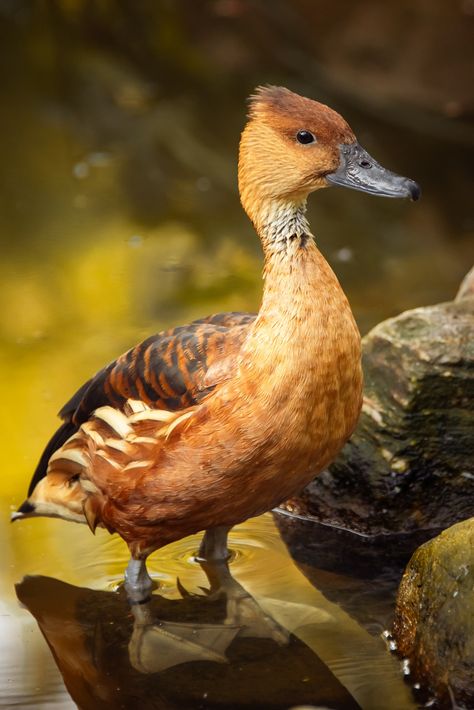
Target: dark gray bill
359,171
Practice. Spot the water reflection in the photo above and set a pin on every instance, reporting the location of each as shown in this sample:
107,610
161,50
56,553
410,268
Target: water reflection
267,596
363,577
217,649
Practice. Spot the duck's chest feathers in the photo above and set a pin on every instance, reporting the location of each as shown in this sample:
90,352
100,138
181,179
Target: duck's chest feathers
303,356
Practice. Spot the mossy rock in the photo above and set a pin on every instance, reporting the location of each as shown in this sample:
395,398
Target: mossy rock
410,463
434,620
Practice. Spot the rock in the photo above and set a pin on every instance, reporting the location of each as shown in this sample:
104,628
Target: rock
410,464
466,289
434,618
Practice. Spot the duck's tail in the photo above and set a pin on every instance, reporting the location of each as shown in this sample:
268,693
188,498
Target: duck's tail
111,438
65,431
60,493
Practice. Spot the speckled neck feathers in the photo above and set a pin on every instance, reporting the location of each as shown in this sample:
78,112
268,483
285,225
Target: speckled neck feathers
281,223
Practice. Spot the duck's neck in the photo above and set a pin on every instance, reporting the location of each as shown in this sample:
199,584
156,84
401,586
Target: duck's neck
305,320
281,224
299,285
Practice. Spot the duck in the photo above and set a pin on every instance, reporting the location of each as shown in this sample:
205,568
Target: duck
203,426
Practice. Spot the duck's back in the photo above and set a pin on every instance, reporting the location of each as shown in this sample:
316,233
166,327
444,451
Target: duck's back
171,370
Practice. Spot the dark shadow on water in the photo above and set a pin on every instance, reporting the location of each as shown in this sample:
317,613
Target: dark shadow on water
358,573
215,650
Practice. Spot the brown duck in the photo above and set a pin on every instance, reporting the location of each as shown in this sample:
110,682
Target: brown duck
203,426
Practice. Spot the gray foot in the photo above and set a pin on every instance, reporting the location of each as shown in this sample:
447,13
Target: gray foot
214,545
138,583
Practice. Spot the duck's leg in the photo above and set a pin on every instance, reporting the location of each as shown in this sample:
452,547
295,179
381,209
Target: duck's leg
138,583
214,545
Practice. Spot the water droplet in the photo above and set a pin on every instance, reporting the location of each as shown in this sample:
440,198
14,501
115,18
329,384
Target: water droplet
99,159
81,170
344,255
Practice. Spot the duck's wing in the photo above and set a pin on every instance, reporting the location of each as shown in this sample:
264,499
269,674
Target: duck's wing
98,468
171,370
166,371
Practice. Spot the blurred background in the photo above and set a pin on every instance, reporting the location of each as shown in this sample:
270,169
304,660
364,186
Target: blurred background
119,210
119,128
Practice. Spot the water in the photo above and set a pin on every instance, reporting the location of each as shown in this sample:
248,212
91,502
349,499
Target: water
119,216
299,646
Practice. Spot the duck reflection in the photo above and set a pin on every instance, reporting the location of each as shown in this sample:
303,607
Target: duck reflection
158,644
217,649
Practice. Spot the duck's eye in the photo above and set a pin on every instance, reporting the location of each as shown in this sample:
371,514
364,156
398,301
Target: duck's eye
305,137
73,479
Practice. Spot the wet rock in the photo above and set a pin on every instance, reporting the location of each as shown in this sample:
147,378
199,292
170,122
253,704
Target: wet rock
434,622
410,464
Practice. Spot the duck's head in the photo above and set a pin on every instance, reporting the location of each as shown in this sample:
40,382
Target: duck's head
292,146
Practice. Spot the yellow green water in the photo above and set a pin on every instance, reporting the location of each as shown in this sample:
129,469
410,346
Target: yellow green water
119,216
359,660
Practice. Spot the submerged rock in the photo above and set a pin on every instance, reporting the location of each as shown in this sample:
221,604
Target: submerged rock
434,620
410,464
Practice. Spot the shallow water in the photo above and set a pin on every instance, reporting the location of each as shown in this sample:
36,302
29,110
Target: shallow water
298,647
119,215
